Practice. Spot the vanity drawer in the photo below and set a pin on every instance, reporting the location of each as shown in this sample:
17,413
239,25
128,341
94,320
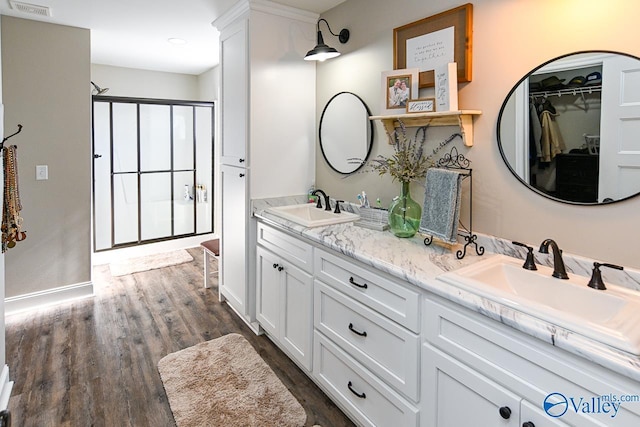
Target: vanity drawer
293,249
364,396
397,302
387,349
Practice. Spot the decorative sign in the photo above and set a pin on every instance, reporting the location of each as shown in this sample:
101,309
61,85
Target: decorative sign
431,50
423,105
446,87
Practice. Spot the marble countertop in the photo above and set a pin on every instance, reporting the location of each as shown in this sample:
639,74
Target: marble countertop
413,262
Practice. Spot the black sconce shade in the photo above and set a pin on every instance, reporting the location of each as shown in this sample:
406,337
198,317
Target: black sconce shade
322,51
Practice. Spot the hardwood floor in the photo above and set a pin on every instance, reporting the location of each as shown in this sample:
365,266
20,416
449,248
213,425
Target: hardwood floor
93,362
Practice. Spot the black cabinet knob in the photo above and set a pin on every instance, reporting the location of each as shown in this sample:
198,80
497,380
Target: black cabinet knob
241,175
280,268
241,160
528,424
505,412
275,265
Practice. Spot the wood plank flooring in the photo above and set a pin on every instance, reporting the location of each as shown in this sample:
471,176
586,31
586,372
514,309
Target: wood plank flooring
93,362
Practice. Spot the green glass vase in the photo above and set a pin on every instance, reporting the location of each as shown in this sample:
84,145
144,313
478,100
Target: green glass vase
404,214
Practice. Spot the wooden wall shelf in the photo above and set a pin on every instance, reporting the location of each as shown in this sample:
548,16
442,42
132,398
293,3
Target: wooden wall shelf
461,118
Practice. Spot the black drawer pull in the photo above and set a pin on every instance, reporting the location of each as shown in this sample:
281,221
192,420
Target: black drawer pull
354,283
352,329
505,412
360,395
528,424
275,265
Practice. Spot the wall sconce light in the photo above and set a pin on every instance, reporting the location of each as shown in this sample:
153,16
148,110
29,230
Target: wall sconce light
98,89
322,51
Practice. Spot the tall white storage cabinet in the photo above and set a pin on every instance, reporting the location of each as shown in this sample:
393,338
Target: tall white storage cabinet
267,119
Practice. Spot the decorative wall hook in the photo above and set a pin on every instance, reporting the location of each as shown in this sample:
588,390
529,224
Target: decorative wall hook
10,136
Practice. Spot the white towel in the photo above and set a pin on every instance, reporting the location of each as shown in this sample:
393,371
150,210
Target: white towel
441,209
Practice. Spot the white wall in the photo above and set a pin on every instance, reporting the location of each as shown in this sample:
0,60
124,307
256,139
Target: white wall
208,83
136,83
45,73
510,38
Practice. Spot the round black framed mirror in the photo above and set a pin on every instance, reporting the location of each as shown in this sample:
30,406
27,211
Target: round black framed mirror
345,133
568,129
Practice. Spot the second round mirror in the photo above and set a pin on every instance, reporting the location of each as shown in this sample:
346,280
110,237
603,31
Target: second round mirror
568,129
346,133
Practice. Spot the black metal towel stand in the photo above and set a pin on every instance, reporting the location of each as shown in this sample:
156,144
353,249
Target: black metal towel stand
461,164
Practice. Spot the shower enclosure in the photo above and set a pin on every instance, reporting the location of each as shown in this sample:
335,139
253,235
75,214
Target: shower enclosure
152,170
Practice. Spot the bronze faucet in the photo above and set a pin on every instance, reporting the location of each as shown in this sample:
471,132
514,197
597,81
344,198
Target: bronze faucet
559,270
327,204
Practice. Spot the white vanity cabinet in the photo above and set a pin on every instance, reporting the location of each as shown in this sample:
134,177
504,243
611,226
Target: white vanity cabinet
234,284
366,341
284,292
234,60
389,353
252,56
457,395
474,368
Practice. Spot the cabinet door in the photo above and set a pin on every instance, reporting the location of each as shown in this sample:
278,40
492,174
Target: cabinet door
297,315
233,251
268,291
455,395
234,82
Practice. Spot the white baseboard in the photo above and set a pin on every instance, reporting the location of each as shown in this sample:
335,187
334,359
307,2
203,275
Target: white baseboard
5,388
253,325
13,305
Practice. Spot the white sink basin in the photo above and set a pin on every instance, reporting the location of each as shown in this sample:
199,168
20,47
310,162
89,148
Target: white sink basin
310,216
611,316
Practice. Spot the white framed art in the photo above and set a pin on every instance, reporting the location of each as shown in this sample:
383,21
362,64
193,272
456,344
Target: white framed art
446,87
398,87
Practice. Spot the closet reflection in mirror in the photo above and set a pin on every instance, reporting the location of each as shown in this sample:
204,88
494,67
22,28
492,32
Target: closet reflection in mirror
346,133
568,129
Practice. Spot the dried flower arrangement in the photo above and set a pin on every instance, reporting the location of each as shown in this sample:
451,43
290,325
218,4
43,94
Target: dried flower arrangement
409,162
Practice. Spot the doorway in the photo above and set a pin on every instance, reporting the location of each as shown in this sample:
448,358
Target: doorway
152,170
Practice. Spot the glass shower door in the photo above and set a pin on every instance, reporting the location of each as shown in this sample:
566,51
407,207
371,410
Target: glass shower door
153,170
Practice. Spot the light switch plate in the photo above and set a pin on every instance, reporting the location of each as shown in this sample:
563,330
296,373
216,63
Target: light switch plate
42,172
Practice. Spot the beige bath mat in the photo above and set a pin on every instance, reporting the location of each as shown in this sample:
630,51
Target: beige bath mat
224,382
150,262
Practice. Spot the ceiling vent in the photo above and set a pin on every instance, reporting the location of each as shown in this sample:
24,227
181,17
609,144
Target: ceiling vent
34,9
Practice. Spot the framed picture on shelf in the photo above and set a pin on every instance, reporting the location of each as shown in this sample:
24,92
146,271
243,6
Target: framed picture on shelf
422,105
435,41
398,87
